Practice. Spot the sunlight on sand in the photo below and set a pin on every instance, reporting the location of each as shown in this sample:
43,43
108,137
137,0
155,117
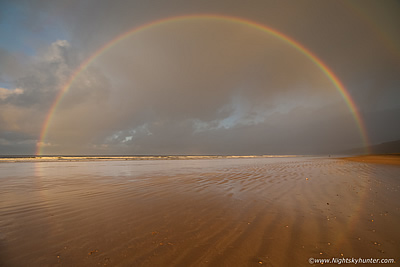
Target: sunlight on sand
208,212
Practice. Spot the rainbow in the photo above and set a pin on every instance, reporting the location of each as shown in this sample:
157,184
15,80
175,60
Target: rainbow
299,47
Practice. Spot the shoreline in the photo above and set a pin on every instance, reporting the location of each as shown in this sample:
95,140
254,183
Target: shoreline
388,159
113,158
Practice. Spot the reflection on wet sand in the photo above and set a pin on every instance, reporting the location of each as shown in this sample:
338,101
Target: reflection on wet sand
202,212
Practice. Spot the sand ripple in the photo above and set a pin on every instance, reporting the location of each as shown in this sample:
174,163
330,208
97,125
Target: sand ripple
207,212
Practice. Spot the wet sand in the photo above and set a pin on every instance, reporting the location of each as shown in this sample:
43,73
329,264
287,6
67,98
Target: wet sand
393,159
201,212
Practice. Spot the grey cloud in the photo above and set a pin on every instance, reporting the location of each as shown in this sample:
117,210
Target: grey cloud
25,106
11,66
43,78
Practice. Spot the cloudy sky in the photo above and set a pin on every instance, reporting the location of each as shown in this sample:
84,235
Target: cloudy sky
201,86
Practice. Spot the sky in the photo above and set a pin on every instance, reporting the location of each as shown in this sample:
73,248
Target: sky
202,86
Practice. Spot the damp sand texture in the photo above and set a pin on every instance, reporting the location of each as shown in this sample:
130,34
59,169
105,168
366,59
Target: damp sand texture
199,212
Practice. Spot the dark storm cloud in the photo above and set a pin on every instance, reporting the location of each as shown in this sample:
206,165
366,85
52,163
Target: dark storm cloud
204,87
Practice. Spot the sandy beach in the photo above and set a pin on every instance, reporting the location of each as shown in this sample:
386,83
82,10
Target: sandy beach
392,159
200,212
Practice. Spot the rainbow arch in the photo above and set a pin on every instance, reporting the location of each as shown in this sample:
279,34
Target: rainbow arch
299,47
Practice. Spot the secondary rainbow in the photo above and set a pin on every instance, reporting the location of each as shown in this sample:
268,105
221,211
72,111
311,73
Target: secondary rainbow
321,65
